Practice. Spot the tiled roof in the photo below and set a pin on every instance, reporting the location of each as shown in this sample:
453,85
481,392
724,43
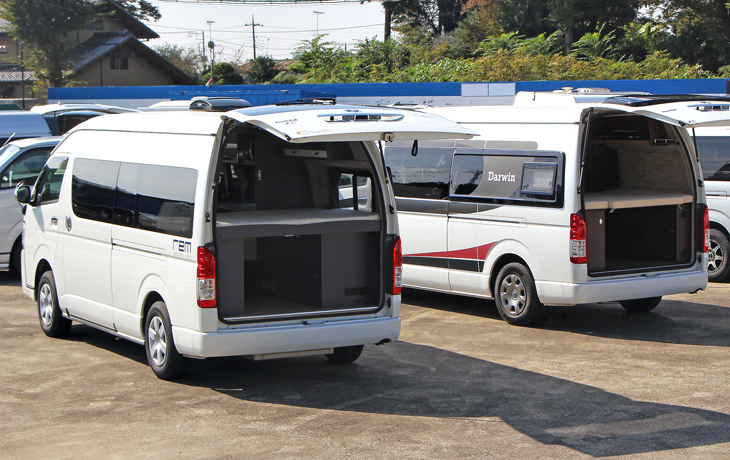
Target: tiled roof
11,73
99,45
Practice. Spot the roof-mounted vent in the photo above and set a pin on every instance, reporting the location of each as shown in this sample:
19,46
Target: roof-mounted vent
711,107
218,104
355,115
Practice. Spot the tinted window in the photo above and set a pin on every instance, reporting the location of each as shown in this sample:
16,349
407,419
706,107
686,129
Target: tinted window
156,198
714,156
48,187
166,199
92,193
25,168
424,176
125,202
505,176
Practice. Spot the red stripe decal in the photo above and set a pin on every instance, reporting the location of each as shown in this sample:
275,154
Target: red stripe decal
475,253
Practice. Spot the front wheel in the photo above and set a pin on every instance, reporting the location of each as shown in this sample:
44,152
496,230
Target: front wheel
641,305
52,321
516,295
162,356
717,263
345,355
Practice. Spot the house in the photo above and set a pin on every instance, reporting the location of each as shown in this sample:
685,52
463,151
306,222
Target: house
110,52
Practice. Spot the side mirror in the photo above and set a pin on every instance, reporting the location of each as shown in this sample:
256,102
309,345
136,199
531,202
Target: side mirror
23,194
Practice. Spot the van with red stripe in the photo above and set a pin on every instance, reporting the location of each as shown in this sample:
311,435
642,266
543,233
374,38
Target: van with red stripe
560,200
264,232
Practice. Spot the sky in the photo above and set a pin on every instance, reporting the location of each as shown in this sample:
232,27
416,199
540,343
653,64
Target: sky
279,28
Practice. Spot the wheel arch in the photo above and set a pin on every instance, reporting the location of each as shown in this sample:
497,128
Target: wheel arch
42,267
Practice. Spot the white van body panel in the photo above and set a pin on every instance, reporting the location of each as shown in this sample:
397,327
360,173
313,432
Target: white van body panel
718,191
110,270
539,236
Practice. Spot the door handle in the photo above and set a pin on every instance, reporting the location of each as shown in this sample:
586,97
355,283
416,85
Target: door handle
54,221
68,223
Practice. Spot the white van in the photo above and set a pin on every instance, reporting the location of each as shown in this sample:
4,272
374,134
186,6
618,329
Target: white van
20,163
218,234
557,203
713,146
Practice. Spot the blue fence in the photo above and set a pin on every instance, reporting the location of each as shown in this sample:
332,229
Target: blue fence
267,94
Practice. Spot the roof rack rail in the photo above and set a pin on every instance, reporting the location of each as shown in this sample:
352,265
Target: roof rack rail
310,101
647,100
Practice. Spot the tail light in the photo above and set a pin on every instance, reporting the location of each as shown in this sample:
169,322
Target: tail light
577,239
206,278
706,229
397,274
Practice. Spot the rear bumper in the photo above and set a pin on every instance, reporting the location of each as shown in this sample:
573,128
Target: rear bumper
552,293
285,339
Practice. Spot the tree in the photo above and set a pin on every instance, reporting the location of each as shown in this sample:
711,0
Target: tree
225,74
578,17
262,70
45,27
141,9
699,30
189,60
437,16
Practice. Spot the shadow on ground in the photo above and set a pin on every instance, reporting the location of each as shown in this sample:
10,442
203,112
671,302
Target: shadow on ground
422,381
673,321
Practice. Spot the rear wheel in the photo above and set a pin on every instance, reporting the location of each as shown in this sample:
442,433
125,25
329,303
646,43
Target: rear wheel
516,295
52,321
641,305
345,355
717,263
162,356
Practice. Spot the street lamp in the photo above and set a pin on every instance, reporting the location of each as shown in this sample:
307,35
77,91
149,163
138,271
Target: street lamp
317,30
211,46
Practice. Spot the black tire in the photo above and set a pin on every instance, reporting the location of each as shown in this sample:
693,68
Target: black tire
718,268
516,296
49,313
162,356
15,257
641,305
345,355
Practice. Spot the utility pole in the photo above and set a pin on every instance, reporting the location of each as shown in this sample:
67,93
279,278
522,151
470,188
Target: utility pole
253,33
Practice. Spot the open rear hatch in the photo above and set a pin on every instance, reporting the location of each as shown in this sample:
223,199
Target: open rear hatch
301,226
639,185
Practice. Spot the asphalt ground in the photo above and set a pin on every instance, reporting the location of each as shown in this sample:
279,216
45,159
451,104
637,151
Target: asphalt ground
591,381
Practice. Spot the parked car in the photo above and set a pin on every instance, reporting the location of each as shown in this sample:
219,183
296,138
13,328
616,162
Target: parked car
17,124
204,234
558,202
20,163
62,117
713,147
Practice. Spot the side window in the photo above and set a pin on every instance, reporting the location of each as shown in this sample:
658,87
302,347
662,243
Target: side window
48,187
166,199
506,176
92,192
425,175
355,191
25,168
714,154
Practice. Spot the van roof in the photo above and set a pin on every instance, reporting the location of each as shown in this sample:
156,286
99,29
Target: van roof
300,123
23,124
561,108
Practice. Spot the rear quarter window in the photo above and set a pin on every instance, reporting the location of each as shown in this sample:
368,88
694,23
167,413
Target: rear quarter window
714,152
